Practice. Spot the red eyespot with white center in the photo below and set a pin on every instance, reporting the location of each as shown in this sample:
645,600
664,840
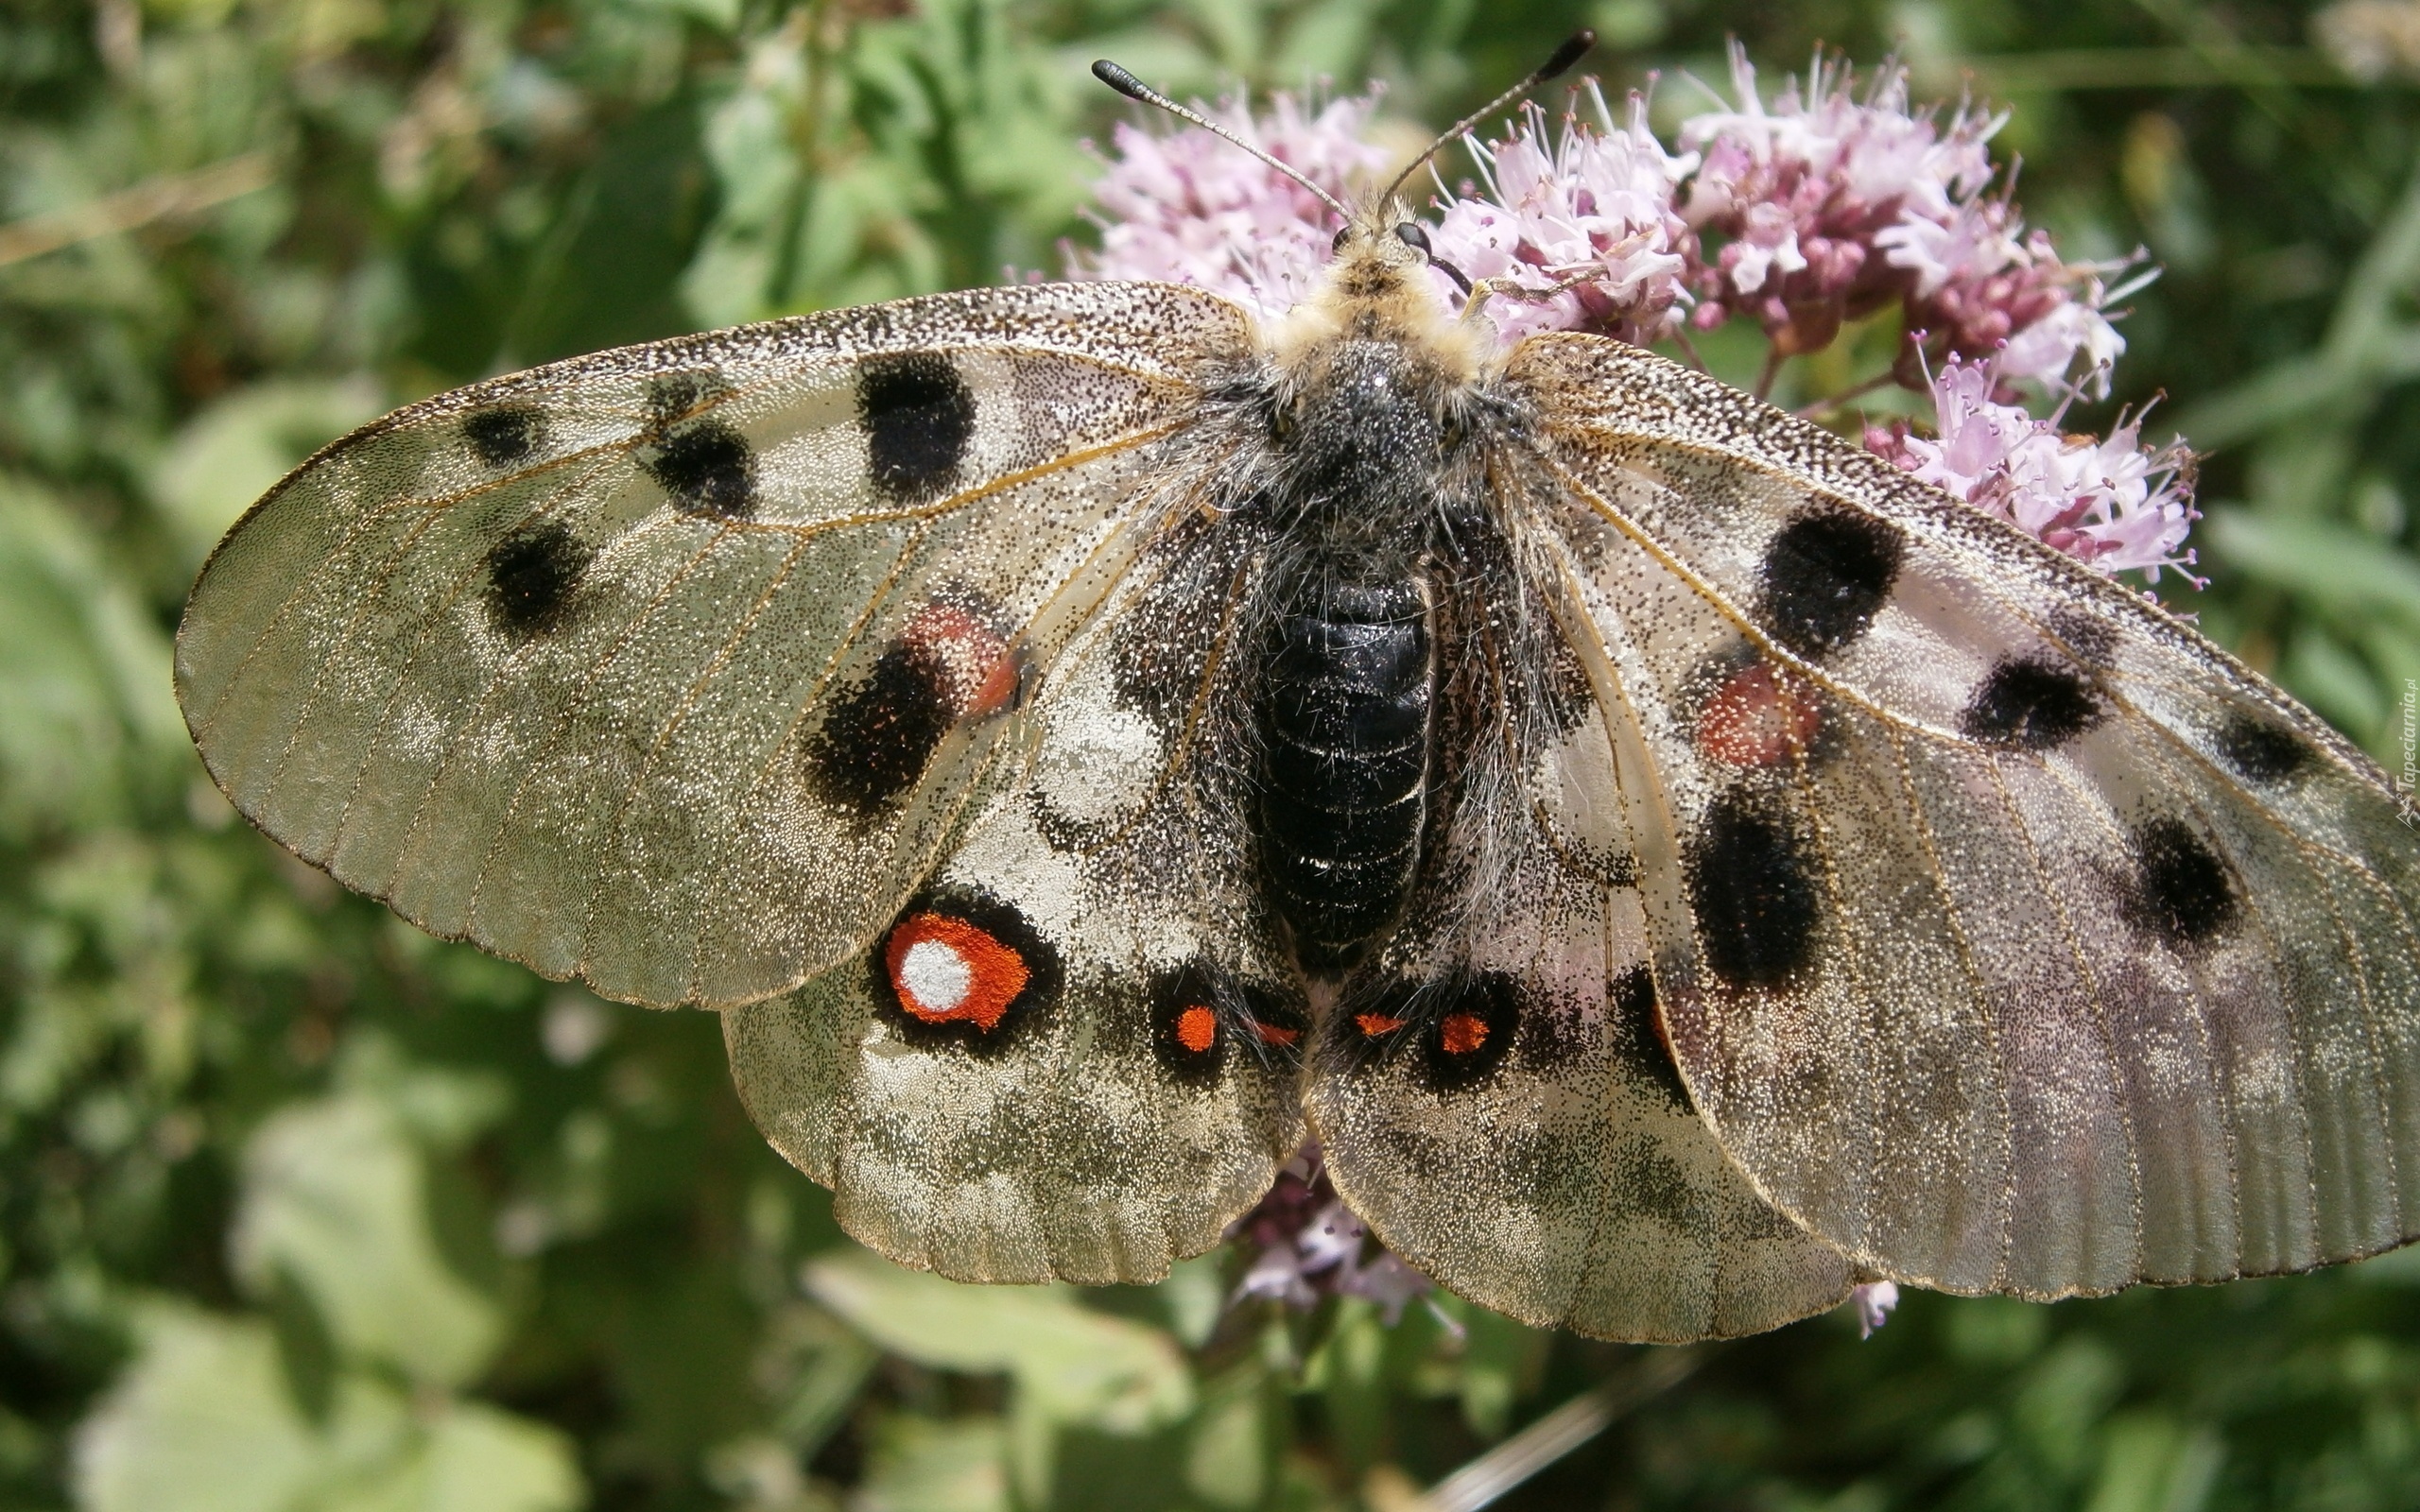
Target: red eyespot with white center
976,668
1759,716
946,970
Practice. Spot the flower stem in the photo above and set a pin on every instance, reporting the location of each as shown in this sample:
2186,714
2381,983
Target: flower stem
1489,1477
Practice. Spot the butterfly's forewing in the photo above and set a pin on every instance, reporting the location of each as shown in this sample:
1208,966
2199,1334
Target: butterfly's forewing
2009,935
672,667
1137,1091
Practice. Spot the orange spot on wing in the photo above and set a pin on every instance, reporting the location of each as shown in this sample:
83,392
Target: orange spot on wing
994,973
978,671
1196,1028
1375,1024
999,688
1462,1033
1276,1034
1758,718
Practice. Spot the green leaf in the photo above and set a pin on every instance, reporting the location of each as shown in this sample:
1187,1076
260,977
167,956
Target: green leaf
1226,1464
2319,669
2062,1398
336,1197
723,15
471,1457
1194,1298
1078,1365
2335,566
203,1421
85,705
917,1465
2152,1463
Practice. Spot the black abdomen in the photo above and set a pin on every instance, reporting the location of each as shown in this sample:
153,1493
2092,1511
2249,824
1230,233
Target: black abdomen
1344,763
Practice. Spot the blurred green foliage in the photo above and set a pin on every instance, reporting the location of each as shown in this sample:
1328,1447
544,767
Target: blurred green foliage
302,1211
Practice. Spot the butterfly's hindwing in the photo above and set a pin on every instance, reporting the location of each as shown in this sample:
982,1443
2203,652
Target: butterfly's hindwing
672,667
1501,1107
2009,937
1073,1054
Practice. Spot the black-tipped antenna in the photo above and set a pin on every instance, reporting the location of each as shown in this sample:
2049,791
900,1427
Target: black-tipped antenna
1135,88
1573,47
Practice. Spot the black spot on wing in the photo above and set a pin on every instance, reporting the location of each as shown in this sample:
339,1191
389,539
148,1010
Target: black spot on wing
2031,704
1638,1038
1640,1180
918,417
1826,575
881,732
2182,894
1755,893
2259,751
506,434
2090,639
532,576
674,396
707,467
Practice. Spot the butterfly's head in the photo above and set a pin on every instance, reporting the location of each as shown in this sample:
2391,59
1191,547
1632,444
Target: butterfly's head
1383,247
1378,288
1378,284
1381,243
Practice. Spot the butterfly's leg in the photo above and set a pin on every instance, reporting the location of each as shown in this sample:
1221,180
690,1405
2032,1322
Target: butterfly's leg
1484,288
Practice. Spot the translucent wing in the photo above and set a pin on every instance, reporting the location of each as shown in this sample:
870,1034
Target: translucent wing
2008,934
671,668
1495,1097
1072,1055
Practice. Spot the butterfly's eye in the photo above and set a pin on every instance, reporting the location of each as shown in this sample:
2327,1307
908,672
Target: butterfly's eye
1413,235
1344,234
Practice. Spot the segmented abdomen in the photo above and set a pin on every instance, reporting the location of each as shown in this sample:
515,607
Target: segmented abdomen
1344,763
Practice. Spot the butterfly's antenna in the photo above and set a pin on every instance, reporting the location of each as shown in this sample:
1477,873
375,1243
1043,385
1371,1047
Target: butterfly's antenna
1573,47
1135,88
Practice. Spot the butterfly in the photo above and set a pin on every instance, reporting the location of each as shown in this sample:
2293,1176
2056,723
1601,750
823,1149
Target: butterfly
1083,739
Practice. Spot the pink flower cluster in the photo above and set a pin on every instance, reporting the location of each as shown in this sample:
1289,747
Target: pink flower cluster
1187,208
1580,236
1827,204
1308,1245
2113,503
1806,196
1829,207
